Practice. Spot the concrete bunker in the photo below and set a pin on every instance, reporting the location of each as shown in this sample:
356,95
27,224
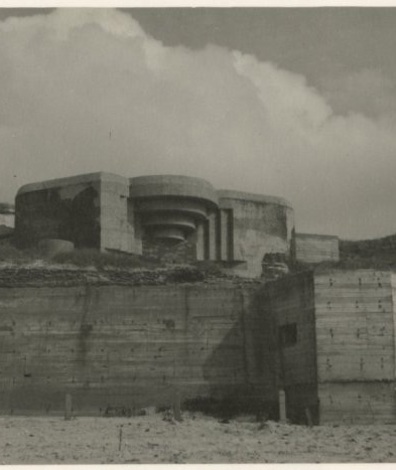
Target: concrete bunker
171,217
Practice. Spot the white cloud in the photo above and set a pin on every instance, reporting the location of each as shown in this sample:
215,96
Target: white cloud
89,90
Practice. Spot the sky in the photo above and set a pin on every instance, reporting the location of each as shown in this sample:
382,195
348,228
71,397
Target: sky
297,103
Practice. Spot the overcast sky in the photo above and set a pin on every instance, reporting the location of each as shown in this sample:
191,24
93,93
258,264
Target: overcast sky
299,103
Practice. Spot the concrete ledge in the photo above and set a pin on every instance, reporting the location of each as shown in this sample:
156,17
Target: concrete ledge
169,233
173,185
242,196
59,182
190,208
314,235
169,220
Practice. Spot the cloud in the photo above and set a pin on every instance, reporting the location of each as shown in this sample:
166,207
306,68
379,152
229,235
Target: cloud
88,90
368,91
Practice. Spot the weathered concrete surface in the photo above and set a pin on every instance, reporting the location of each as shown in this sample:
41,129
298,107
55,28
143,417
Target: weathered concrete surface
291,362
339,358
117,228
355,333
171,207
121,346
173,186
355,402
260,225
312,248
327,339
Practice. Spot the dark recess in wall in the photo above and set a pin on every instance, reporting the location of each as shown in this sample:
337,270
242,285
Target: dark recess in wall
44,214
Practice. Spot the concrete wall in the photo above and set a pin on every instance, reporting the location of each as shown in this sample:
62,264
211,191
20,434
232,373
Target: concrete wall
312,248
261,225
355,346
122,346
342,363
287,307
327,340
116,227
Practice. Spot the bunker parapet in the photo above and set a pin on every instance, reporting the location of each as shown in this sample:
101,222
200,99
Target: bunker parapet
174,218
313,249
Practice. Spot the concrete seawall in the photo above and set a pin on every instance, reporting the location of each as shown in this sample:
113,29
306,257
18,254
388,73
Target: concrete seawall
123,346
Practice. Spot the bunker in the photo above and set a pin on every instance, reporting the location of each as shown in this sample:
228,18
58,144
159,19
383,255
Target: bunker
171,217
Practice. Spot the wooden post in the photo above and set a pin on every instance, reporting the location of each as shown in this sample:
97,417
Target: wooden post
309,417
120,438
176,406
282,406
68,406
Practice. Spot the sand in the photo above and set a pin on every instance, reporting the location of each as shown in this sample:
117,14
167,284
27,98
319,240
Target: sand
157,438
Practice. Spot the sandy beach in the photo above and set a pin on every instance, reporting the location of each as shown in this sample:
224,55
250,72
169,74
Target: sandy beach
158,438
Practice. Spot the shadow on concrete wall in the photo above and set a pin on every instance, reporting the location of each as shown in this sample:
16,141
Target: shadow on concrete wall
46,214
245,360
84,220
254,368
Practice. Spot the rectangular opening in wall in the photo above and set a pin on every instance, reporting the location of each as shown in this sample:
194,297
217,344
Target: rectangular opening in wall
287,335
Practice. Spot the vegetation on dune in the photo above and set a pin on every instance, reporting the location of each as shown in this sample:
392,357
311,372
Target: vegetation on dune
9,253
379,253
100,260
